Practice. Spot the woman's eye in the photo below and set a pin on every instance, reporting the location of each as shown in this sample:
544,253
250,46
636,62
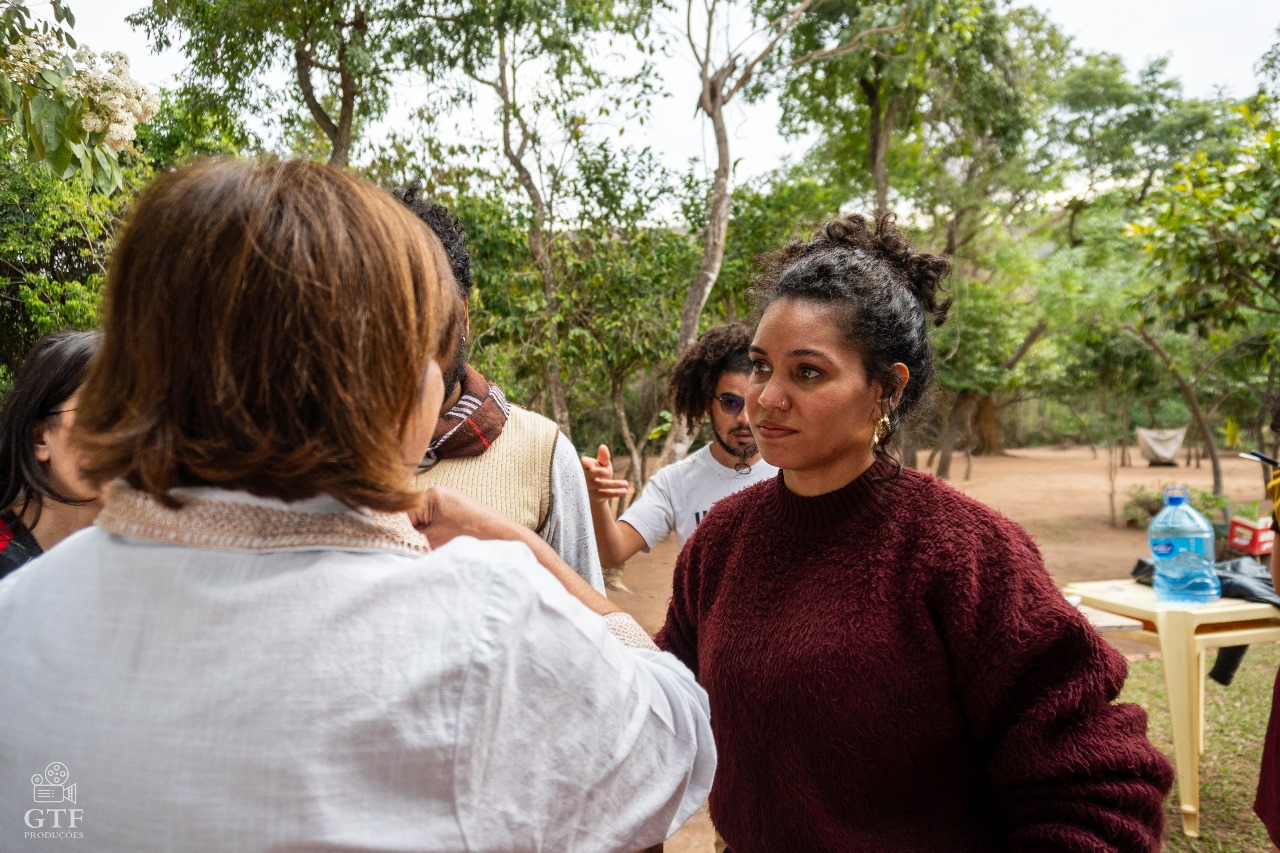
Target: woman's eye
759,367
808,372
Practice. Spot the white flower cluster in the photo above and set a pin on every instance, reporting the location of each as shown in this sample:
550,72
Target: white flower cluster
115,102
26,59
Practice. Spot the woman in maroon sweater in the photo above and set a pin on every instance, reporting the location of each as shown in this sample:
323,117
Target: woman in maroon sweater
890,666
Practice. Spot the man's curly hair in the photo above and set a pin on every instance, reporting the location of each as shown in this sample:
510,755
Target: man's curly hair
446,225
693,381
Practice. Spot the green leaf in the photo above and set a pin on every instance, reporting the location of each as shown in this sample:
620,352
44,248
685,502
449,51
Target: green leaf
52,78
33,126
62,160
9,97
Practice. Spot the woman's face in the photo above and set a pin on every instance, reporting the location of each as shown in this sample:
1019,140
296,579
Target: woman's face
56,449
811,407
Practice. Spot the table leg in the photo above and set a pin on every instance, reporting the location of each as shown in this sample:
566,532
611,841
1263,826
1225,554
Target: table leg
1202,656
1181,674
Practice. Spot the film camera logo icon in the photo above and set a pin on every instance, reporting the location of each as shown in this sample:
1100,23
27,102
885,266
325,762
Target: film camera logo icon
52,787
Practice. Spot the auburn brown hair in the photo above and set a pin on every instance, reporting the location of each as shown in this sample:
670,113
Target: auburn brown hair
267,327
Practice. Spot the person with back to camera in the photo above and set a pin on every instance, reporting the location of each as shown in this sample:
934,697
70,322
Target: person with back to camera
709,381
254,648
890,666
508,458
43,496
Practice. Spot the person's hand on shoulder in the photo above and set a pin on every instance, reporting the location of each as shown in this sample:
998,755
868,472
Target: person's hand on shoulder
447,513
601,485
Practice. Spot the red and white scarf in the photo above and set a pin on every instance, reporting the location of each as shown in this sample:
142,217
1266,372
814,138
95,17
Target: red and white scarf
473,423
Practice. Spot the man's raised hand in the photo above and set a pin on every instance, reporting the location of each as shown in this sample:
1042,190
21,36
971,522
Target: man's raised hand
601,485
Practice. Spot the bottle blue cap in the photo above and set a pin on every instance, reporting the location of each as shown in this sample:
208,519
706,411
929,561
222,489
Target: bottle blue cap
1174,499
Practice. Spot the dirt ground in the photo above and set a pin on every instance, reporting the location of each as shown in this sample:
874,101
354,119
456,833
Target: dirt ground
1059,496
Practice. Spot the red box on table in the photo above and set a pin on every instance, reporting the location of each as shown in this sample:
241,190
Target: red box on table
1251,537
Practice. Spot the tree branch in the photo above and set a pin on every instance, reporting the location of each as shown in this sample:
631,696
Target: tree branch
788,23
857,43
303,65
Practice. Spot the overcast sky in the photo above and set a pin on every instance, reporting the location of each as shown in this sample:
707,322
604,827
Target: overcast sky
1209,45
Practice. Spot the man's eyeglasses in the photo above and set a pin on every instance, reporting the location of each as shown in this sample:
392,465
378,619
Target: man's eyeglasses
730,404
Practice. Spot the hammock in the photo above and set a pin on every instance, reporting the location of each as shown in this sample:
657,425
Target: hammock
1160,445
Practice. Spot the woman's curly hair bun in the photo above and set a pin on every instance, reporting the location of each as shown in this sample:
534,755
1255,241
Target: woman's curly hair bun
922,272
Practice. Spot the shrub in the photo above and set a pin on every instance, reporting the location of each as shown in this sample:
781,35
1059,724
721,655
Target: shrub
1145,501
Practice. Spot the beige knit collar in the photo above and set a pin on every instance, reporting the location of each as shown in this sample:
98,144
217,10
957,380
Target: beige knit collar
213,518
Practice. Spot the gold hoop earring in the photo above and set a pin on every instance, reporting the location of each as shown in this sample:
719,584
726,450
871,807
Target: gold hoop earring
882,429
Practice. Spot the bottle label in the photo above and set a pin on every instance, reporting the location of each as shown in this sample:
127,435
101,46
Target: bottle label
1163,549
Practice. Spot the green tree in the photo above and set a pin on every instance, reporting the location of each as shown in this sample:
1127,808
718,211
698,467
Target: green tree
862,100
767,212
1110,131
339,56
1210,232
193,123
54,239
542,62
624,277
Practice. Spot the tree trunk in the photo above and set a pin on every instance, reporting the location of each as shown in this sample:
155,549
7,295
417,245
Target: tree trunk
942,430
713,239
933,453
988,420
1112,462
910,453
988,411
712,103
957,420
1084,428
1259,441
539,247
1027,342
882,117
636,469
1197,414
338,133
1126,421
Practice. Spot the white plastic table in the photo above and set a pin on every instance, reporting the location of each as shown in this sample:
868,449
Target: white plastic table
1183,633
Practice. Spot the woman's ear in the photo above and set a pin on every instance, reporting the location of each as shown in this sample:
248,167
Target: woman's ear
904,376
40,440
891,391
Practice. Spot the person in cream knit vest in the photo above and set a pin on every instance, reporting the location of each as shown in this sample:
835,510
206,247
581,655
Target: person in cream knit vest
508,458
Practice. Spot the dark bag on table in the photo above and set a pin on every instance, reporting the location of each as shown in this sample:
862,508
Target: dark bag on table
1244,578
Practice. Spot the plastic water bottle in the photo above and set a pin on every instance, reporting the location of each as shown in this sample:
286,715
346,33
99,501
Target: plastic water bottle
1182,545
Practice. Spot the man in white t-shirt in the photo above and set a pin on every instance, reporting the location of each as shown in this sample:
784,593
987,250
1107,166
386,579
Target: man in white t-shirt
709,381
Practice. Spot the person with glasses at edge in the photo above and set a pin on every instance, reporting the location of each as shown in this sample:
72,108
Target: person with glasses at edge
43,497
709,381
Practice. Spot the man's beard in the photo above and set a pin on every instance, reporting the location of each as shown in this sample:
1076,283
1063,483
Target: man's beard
743,453
453,378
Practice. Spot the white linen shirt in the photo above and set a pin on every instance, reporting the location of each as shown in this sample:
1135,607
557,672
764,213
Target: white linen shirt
233,696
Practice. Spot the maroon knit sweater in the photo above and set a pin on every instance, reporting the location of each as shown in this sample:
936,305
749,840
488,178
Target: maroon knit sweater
891,669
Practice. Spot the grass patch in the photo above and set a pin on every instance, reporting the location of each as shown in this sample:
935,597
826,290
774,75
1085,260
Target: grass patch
1235,724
